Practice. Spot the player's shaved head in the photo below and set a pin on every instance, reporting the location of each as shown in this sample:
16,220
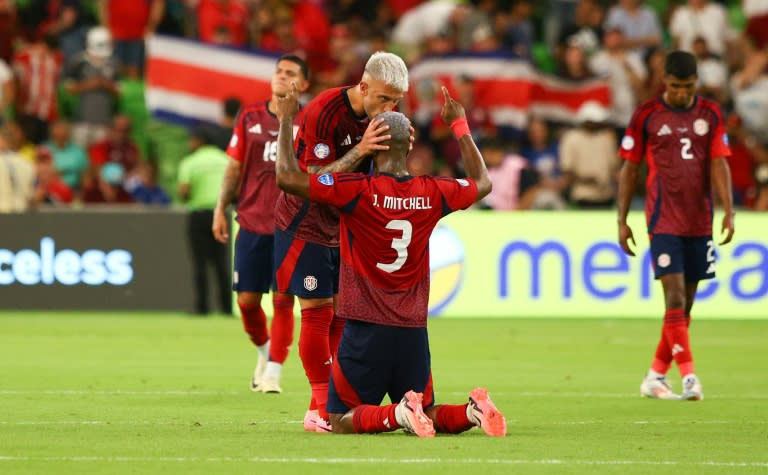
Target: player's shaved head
399,129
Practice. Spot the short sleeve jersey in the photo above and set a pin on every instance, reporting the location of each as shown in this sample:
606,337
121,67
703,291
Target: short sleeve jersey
330,128
679,146
385,227
254,145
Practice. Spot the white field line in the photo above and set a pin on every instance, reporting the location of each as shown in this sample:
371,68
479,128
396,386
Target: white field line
260,422
384,461
182,392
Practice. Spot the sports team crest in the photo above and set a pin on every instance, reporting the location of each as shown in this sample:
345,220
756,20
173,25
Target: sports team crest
321,150
700,126
310,282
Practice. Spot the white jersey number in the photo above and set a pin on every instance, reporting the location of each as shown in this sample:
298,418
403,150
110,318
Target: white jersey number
685,151
398,244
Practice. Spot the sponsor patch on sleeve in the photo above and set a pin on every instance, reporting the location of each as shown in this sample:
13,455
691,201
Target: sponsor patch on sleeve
627,143
462,182
233,141
326,179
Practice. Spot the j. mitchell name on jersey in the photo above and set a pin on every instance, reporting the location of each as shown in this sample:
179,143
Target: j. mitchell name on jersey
399,203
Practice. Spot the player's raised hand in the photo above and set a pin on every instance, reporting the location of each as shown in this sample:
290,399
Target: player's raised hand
452,110
220,227
728,228
288,105
625,236
372,138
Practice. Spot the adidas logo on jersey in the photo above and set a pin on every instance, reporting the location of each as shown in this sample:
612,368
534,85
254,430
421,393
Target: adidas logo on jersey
677,348
256,129
347,141
665,130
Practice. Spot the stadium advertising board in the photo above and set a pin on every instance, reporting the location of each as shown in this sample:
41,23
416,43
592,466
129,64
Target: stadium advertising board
569,264
127,260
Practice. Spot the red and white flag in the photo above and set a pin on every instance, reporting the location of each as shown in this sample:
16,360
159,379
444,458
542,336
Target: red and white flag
188,80
511,89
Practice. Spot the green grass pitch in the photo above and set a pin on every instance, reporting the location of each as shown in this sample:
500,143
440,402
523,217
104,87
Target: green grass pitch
151,393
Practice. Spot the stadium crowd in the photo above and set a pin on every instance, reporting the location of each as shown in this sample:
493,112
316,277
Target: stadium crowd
83,49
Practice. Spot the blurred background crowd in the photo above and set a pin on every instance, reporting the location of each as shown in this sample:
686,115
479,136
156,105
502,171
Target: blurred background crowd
72,133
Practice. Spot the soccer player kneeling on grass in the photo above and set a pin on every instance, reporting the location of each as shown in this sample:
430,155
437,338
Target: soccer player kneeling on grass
386,222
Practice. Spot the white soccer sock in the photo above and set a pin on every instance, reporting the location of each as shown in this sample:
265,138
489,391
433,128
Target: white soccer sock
654,375
264,350
273,370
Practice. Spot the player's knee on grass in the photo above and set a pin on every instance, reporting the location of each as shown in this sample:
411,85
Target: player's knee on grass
342,423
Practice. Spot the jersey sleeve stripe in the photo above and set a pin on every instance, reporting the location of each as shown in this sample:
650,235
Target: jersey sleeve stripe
325,118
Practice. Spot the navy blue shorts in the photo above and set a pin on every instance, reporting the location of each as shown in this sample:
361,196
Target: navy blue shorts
305,269
694,256
375,360
253,262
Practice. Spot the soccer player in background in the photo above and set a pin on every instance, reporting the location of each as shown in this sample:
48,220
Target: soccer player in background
386,221
335,136
250,176
682,137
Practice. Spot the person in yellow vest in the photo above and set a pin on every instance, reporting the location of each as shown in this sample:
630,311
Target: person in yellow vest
199,181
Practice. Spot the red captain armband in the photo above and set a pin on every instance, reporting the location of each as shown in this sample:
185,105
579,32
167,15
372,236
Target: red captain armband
460,127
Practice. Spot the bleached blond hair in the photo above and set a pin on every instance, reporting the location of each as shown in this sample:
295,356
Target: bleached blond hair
389,69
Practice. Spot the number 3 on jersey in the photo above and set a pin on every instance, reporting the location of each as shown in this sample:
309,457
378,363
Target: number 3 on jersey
398,244
685,150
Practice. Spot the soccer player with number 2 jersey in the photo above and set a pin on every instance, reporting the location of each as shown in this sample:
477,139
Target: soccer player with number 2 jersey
682,138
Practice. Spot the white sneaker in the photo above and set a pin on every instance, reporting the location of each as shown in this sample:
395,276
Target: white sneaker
692,388
410,415
258,373
270,385
657,388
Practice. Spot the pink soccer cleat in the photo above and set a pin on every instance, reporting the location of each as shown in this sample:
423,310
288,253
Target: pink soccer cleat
310,420
410,415
483,413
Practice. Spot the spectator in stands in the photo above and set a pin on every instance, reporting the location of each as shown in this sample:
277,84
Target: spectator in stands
37,68
312,30
586,28
117,147
144,187
223,131
129,24
200,175
747,154
65,20
8,29
49,187
625,71
573,65
275,30
754,43
700,18
541,152
588,158
92,76
422,22
6,89
105,186
654,81
639,23
506,171
345,65
231,15
68,158
19,141
519,34
712,72
17,179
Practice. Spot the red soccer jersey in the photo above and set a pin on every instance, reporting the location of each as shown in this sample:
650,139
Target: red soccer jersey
386,223
329,130
679,146
128,20
254,144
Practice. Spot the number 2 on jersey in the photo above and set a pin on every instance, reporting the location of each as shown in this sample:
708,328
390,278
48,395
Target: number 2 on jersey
685,150
398,244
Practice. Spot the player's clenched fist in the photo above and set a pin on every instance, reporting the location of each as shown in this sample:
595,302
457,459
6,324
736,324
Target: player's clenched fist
452,110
